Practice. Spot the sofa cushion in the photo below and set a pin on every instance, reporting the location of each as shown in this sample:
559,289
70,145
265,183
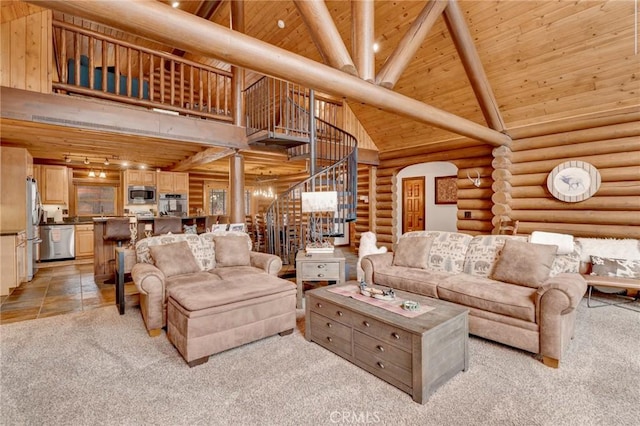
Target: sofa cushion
489,295
203,295
231,250
413,280
188,279
202,249
412,252
448,249
623,268
237,272
483,252
524,263
174,259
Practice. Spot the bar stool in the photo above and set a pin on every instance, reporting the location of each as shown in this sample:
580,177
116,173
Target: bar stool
117,230
166,224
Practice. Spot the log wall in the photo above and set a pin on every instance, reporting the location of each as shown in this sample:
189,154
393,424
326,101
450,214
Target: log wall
514,182
26,52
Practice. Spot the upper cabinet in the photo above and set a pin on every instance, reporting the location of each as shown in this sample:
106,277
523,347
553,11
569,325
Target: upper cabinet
140,177
54,184
173,182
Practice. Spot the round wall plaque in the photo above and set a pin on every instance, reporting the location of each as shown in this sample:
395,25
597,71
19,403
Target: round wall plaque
573,181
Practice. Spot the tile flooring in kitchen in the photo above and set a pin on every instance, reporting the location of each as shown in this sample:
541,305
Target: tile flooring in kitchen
60,289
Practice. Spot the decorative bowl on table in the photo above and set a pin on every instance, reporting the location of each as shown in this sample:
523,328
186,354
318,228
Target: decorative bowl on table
377,293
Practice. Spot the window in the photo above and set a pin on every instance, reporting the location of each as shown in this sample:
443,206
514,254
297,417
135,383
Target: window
92,200
218,202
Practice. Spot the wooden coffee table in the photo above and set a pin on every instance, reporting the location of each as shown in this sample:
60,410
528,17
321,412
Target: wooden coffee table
416,355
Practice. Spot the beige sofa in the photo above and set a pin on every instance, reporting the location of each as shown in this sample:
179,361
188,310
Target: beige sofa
517,293
231,273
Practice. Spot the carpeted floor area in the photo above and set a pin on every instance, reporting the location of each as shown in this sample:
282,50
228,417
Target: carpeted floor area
101,368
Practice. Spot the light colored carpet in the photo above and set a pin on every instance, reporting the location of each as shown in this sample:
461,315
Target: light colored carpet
98,367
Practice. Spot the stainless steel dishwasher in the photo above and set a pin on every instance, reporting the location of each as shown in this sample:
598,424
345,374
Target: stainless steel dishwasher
58,242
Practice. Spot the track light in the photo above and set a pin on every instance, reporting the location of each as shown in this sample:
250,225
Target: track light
67,159
106,162
86,160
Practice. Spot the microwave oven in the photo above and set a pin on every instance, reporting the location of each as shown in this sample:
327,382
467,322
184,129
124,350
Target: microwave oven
141,194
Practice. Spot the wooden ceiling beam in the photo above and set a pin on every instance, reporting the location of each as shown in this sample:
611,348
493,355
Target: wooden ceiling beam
325,35
209,155
398,61
473,66
363,16
162,23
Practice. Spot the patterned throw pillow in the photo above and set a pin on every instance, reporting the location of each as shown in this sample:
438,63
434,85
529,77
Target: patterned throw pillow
483,252
622,268
413,252
190,229
448,249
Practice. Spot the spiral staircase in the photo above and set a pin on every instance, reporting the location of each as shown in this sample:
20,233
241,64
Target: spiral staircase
283,115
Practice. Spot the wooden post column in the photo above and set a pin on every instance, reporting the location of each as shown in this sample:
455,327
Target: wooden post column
236,188
237,24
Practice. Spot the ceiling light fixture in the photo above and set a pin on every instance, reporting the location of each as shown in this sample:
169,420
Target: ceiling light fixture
92,174
67,159
102,174
86,160
106,162
281,23
175,4
376,47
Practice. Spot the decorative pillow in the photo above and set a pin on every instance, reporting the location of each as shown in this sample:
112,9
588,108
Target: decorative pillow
413,252
622,268
232,250
524,263
190,229
174,259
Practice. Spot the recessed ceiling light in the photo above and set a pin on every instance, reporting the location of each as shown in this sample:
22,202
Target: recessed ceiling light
281,23
142,166
175,4
125,164
376,47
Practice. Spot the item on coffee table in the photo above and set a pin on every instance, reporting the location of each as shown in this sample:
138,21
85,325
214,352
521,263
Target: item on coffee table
410,305
383,294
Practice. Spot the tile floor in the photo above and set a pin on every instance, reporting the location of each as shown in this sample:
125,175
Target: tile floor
69,286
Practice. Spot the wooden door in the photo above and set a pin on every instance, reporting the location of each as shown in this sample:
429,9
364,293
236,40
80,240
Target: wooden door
413,204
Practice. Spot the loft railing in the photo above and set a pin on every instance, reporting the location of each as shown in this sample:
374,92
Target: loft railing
96,65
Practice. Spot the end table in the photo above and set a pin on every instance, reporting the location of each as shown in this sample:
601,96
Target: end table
318,267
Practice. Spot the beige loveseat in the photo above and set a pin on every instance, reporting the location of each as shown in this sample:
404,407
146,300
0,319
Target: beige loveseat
517,293
221,274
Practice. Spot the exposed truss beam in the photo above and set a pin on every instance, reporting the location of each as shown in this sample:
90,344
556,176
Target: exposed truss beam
472,65
207,156
206,10
167,25
325,35
362,12
398,61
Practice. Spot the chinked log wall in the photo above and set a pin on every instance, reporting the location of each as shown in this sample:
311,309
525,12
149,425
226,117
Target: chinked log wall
609,141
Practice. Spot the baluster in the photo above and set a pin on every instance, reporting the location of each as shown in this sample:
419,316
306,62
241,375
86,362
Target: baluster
91,63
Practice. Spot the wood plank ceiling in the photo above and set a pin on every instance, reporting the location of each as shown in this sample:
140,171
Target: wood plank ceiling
544,60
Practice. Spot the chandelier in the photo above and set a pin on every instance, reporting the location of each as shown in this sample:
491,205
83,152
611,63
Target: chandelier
262,188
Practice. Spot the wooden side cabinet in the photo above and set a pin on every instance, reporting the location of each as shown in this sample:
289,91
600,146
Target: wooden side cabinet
54,184
84,241
318,267
13,271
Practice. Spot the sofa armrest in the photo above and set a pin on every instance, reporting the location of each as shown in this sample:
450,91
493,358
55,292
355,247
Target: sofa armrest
148,279
269,262
570,290
373,262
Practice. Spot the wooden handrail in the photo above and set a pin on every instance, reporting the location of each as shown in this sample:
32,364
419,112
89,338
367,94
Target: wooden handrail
137,88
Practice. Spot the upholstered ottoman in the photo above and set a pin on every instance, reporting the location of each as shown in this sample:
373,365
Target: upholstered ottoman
204,318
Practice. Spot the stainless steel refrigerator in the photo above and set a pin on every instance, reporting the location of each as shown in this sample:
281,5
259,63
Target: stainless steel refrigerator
34,215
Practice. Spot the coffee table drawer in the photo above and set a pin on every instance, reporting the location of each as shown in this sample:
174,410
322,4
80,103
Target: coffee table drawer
330,310
327,327
319,270
383,350
383,367
382,331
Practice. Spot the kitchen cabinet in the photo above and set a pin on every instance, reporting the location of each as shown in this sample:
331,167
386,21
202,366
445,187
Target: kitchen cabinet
84,240
13,265
140,177
14,169
54,184
173,183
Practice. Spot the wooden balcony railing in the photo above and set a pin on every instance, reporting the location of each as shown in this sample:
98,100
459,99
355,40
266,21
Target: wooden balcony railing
96,65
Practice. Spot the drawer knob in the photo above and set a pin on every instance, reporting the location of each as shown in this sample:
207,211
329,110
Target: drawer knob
329,339
319,305
329,325
366,323
381,365
340,313
321,266
396,335
380,348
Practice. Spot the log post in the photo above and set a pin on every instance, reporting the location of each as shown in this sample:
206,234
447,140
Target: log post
362,13
237,24
325,35
397,62
236,188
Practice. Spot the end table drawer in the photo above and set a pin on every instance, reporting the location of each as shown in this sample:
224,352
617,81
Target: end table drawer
329,310
382,331
326,270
